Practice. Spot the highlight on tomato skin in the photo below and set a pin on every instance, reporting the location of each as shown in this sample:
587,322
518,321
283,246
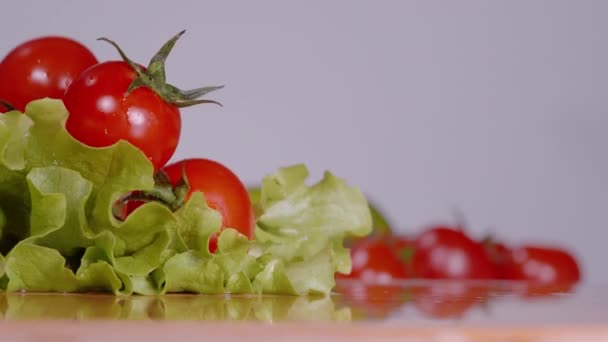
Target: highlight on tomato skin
444,252
375,261
102,113
546,270
122,100
40,68
373,289
223,191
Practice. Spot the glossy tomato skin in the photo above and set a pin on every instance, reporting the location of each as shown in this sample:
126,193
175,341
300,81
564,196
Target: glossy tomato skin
501,259
375,260
405,247
42,67
102,113
223,192
448,253
371,289
543,265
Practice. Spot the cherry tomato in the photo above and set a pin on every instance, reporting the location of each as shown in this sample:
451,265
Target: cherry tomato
126,207
405,248
223,192
500,258
543,266
102,113
370,289
374,260
42,67
448,253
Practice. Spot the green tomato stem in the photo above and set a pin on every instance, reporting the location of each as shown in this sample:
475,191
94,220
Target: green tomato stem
154,77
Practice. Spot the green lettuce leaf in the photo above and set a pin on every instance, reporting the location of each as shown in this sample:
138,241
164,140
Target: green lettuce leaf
58,232
304,226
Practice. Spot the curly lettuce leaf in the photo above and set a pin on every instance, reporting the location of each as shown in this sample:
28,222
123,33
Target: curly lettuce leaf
59,194
36,268
58,232
304,226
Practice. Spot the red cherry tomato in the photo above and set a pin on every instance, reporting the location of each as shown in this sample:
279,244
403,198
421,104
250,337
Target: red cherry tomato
223,192
403,243
543,266
375,261
42,67
102,113
126,207
448,253
500,258
405,249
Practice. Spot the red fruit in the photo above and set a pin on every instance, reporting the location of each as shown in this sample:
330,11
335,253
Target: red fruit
40,68
448,253
375,261
102,112
223,192
121,100
543,266
405,249
500,258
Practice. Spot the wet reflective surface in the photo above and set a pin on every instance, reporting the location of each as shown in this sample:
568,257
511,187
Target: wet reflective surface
406,303
407,311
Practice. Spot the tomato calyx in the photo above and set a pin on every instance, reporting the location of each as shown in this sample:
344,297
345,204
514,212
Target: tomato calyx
164,192
154,77
6,105
406,254
491,245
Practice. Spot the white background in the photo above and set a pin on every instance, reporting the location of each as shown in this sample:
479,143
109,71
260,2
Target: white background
498,108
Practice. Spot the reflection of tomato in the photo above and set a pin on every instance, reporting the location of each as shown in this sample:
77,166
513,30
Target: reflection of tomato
375,261
448,299
448,253
371,289
534,290
369,301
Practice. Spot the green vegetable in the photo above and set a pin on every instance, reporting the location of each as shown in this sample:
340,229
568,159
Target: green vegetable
380,225
58,232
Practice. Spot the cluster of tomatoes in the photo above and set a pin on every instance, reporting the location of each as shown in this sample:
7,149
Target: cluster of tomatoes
390,268
121,100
